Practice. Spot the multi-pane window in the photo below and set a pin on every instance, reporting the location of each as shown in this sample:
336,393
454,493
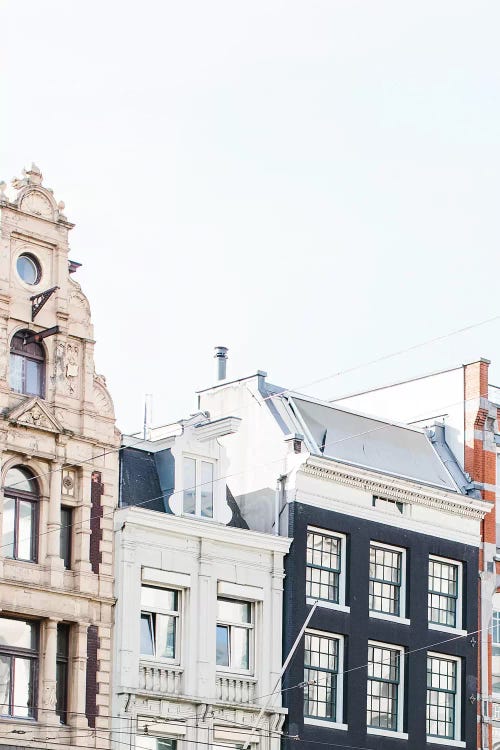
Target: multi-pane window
198,497
65,536
18,667
386,577
442,696
62,660
20,515
384,686
322,691
27,366
145,742
160,623
324,566
444,590
234,637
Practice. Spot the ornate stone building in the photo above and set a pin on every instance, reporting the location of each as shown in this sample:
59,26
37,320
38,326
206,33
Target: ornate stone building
58,480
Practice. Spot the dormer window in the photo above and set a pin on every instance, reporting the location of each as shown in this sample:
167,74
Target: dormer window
27,366
198,497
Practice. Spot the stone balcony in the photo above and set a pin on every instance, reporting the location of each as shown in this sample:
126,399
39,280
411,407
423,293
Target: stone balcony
160,678
233,689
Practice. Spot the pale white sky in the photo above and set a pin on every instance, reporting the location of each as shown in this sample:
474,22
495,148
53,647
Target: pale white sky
311,184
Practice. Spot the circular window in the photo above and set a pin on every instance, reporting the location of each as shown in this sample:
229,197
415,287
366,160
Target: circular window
28,269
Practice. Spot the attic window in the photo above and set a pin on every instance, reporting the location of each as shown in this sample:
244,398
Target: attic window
391,506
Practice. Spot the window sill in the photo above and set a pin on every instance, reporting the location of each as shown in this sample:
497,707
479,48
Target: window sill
228,672
446,629
387,733
325,723
390,618
328,605
445,741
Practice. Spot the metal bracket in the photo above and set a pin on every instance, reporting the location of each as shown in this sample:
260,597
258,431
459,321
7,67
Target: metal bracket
38,301
35,338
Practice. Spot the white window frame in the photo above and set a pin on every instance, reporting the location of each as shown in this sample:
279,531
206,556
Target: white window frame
458,705
401,618
161,611
198,485
389,505
458,618
398,732
340,605
339,707
250,626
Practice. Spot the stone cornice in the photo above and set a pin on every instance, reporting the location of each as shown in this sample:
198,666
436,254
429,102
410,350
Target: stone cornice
396,489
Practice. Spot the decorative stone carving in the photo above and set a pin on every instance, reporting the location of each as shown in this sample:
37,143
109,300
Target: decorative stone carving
67,368
102,400
68,482
35,202
79,309
35,414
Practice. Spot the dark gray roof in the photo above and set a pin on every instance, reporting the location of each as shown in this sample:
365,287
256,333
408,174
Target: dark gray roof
371,443
146,479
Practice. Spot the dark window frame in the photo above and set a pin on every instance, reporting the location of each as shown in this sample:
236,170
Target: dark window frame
28,352
34,499
33,654
62,672
66,554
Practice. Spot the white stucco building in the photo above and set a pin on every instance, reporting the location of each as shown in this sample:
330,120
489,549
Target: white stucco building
198,619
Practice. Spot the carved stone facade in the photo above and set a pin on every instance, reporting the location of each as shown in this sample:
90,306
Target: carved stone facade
59,460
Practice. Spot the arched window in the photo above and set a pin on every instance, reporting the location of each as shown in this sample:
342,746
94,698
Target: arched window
20,515
27,366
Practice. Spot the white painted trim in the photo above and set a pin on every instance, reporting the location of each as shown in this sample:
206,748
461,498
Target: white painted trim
390,618
161,727
339,708
387,733
325,502
458,701
165,578
325,723
449,561
402,590
328,605
401,688
239,591
447,629
343,565
225,735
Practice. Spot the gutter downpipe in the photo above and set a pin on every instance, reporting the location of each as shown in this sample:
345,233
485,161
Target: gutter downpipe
288,659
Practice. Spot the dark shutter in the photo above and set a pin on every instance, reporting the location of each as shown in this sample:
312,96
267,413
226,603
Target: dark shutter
92,668
95,521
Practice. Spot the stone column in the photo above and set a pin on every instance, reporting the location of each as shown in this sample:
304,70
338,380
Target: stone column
81,533
54,514
49,672
78,676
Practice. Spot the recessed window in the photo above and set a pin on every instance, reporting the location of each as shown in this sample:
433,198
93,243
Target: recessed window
159,623
62,661
325,571
198,487
445,592
144,742
386,579
234,637
391,506
443,697
28,269
322,664
18,667
385,687
20,515
27,365
65,535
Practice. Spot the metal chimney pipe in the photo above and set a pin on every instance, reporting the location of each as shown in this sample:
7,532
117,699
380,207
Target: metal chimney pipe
221,357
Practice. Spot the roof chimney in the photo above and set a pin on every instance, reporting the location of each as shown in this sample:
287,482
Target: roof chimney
221,357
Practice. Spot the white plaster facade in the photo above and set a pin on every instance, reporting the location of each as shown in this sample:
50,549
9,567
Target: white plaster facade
65,436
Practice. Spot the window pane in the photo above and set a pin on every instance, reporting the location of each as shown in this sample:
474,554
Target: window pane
25,540
147,642
165,744
62,690
21,479
320,674
16,373
22,687
33,377
9,506
240,650
207,492
385,580
165,636
230,610
383,668
441,696
66,530
443,592
189,485
18,633
222,646
155,599
4,684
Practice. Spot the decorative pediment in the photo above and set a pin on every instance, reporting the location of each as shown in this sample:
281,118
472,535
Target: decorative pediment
34,413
